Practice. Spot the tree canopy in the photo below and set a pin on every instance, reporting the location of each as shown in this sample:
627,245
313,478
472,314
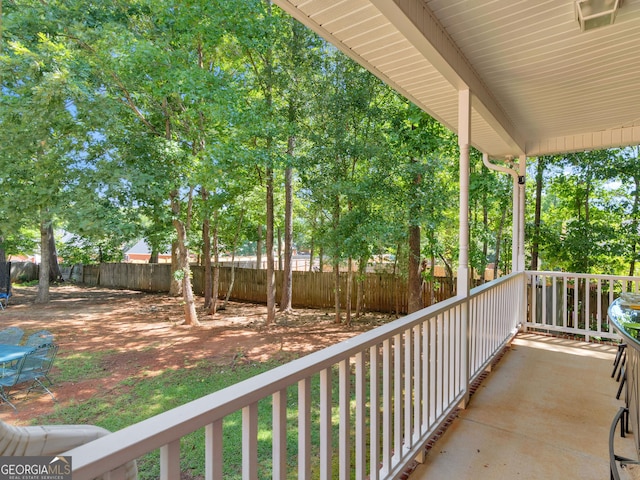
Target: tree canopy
215,125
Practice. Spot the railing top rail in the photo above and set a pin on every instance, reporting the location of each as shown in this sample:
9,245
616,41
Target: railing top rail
493,284
583,275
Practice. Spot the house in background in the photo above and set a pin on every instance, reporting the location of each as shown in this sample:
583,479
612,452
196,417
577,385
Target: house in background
141,253
35,258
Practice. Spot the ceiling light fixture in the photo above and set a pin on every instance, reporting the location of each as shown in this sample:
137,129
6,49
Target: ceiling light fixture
596,13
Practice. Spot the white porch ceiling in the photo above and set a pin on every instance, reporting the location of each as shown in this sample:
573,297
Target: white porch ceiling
539,85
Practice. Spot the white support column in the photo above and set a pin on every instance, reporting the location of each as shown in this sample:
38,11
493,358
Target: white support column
464,140
515,222
522,173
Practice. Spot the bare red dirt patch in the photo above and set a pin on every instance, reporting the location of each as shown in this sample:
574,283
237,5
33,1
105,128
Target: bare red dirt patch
143,332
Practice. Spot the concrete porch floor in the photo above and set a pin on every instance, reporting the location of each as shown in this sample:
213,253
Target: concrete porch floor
544,412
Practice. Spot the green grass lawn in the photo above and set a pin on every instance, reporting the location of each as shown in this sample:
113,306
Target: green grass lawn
151,395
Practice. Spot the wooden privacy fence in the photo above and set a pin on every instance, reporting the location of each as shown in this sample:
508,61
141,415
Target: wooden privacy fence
383,292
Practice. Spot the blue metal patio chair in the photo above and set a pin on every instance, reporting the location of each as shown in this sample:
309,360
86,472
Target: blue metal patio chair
5,284
42,337
30,371
37,366
11,336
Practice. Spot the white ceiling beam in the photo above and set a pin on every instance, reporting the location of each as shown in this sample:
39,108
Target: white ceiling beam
612,138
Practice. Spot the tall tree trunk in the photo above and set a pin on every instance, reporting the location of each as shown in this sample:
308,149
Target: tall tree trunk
336,291
449,271
362,267
349,290
587,216
55,275
279,236
414,281
535,244
215,289
153,258
634,226
311,253
485,241
175,286
206,254
287,273
397,280
415,302
271,277
190,314
496,264
232,282
234,247
259,249
43,280
336,260
432,297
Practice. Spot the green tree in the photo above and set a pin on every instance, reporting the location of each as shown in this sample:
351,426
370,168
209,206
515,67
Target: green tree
422,148
579,223
626,169
42,135
160,70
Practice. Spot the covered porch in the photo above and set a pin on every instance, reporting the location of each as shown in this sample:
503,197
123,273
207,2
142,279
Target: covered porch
513,79
553,425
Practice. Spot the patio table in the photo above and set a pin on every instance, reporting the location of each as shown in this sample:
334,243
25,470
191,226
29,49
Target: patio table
10,353
625,319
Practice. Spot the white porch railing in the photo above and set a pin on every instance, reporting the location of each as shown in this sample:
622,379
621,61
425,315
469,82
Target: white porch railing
574,303
377,399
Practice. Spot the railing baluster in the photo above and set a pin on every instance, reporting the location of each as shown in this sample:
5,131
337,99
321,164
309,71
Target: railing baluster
533,299
279,440
326,406
417,382
543,292
599,303
453,336
577,302
426,398
249,442
397,398
433,370
554,302
344,467
565,304
588,305
462,354
170,461
361,427
213,451
440,398
387,408
374,413
304,428
473,340
446,363
406,391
